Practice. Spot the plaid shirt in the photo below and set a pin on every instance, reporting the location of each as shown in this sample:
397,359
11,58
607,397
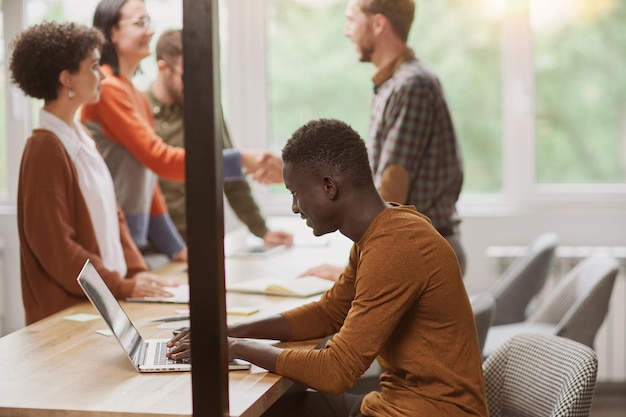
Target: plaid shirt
410,126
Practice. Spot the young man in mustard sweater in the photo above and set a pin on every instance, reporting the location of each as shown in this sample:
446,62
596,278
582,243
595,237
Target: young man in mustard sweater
400,299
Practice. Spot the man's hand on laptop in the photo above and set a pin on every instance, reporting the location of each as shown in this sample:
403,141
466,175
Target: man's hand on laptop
149,285
180,346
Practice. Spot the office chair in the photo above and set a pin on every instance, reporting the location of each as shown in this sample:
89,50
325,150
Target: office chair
540,376
484,307
575,308
523,280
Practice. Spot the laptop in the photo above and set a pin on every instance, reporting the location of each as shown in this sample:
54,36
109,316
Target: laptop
146,355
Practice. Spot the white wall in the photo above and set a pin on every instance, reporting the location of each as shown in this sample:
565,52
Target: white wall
574,226
12,311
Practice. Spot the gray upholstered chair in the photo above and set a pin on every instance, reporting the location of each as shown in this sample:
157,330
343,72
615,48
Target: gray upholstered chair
575,308
523,279
540,376
484,307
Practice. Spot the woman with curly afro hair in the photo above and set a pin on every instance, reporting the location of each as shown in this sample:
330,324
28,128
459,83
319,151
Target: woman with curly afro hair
67,210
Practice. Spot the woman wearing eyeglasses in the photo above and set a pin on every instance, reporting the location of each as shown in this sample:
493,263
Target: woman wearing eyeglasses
122,124
67,211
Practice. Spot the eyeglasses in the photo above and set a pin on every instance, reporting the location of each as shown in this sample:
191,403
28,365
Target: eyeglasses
142,22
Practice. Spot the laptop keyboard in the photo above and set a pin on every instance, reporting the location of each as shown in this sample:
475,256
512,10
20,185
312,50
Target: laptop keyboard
159,356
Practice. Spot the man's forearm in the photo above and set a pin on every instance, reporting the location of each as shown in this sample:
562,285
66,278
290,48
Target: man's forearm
273,327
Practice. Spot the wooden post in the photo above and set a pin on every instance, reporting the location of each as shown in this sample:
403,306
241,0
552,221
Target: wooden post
205,207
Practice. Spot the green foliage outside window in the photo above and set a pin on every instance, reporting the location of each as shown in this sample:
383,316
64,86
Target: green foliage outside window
313,69
314,72
581,97
463,46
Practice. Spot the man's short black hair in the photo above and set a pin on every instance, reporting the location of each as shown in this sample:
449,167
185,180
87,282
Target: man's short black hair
329,147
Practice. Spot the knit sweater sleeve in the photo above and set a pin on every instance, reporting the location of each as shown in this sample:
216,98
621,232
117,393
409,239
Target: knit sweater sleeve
239,196
162,231
125,117
134,260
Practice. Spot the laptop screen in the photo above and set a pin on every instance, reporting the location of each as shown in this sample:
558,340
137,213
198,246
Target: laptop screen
109,308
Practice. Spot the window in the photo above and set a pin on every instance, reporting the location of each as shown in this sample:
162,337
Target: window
165,14
573,134
540,99
460,39
312,68
314,72
580,91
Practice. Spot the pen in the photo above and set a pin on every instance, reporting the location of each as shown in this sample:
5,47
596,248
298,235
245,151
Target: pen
177,331
172,318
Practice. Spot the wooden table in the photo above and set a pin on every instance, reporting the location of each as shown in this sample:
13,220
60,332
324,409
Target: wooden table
58,367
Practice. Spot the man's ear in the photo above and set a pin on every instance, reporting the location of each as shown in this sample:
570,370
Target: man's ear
380,23
161,65
330,187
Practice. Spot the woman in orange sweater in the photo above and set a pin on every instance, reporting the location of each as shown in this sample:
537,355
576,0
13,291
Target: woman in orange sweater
122,123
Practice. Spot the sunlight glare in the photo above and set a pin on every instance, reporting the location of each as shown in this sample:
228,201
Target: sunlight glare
493,9
551,15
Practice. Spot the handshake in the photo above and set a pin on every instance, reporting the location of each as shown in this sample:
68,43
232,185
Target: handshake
264,166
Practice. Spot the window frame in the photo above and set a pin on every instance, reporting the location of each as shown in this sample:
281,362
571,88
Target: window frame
18,124
248,119
247,113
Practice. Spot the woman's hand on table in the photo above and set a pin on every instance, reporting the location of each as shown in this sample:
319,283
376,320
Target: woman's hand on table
148,284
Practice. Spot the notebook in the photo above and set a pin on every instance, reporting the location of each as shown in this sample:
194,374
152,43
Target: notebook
289,287
146,355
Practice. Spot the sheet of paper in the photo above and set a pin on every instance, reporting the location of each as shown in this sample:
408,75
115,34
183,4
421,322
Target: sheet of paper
174,325
241,310
256,251
82,317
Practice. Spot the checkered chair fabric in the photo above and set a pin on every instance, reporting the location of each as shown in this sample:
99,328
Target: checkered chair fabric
523,279
536,375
